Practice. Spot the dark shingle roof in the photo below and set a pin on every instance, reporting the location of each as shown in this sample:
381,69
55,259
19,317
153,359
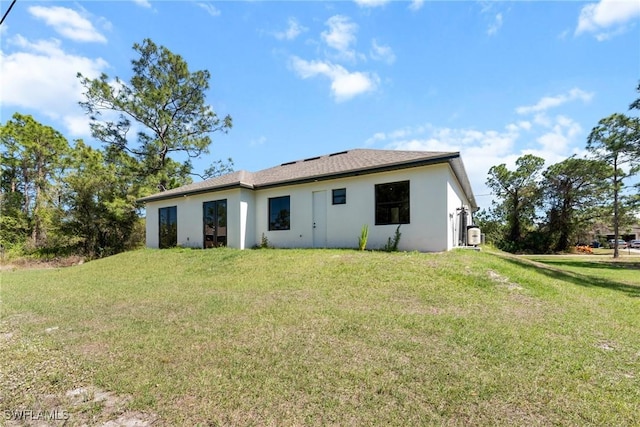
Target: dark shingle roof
341,164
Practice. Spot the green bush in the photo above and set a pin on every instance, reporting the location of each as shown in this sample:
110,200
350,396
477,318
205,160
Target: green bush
392,243
364,236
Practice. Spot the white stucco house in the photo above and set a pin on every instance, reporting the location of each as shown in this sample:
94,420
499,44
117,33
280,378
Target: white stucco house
322,202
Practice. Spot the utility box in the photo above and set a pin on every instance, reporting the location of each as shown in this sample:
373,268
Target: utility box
474,237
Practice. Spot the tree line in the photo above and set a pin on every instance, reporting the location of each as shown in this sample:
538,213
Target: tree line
60,198
540,210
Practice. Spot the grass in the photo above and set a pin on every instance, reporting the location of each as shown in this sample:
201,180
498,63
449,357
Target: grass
326,337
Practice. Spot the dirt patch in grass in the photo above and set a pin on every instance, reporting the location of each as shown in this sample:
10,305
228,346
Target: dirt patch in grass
110,407
93,348
522,304
28,263
44,385
504,281
79,407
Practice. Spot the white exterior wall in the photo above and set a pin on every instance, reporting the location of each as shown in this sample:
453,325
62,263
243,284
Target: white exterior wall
435,196
152,228
427,230
246,220
455,201
190,218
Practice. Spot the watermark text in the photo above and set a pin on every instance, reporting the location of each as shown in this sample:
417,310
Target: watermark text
33,415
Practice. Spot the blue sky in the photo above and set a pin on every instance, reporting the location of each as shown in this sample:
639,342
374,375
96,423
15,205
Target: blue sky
493,80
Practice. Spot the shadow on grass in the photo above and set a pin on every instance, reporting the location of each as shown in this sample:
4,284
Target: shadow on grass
607,265
553,269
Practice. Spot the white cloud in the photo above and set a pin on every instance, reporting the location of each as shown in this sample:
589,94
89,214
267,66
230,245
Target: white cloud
484,148
210,9
258,141
398,134
572,127
68,23
293,30
548,102
51,86
611,34
344,84
379,136
496,25
77,125
341,37
555,140
563,35
341,34
606,14
382,52
143,3
416,5
486,6
542,119
552,142
371,3
526,125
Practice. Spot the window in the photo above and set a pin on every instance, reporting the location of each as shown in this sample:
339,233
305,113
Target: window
392,203
279,213
339,196
215,223
168,225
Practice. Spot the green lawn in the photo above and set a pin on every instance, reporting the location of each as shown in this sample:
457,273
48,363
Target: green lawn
324,337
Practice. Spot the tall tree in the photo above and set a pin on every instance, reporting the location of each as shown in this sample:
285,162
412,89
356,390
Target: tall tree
572,191
168,101
33,158
614,141
635,105
14,222
100,204
491,223
519,195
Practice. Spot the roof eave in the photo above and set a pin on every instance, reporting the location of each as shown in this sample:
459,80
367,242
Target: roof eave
461,174
453,158
162,196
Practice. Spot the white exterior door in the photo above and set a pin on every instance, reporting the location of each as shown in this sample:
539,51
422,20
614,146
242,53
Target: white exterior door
319,219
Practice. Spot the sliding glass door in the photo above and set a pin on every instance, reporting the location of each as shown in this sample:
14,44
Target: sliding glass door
215,223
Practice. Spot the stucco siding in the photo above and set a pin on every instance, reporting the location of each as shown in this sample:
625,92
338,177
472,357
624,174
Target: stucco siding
428,210
456,200
190,218
151,223
435,198
246,220
427,230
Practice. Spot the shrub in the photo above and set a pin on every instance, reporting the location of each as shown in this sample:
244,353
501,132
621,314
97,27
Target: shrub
264,243
364,236
392,243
